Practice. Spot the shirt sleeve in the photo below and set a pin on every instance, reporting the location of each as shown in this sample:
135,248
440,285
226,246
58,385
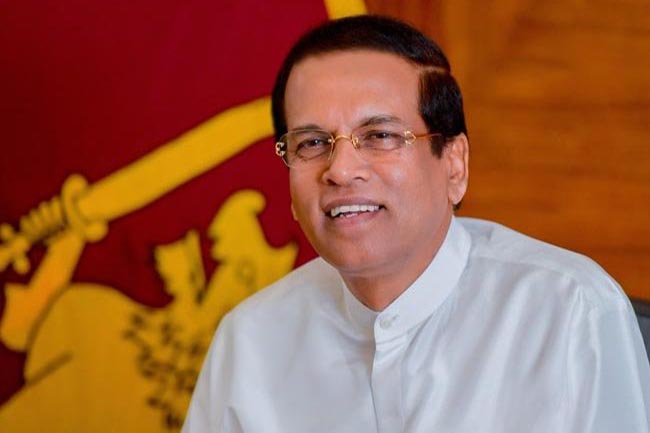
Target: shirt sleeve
209,410
609,373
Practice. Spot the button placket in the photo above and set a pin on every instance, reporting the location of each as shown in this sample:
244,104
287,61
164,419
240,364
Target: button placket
386,322
386,375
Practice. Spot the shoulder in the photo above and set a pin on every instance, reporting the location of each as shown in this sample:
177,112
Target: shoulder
315,284
495,246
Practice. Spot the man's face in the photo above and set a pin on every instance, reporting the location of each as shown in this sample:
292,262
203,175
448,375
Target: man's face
413,189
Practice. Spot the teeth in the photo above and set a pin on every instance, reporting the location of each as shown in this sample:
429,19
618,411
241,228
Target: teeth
354,208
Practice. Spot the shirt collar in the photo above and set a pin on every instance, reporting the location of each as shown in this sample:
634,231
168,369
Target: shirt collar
420,299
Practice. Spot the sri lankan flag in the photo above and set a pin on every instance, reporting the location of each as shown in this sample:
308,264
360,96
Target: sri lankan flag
140,199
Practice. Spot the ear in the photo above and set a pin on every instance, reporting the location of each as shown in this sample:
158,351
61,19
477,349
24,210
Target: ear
293,212
456,154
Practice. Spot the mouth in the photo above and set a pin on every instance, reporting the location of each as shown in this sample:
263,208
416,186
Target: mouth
352,210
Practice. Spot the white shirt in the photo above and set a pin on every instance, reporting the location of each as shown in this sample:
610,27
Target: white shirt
500,334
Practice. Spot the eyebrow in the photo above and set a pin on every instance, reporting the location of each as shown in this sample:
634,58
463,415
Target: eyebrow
307,126
368,121
379,120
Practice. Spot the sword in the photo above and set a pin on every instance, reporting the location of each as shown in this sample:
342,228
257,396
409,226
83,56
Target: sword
87,209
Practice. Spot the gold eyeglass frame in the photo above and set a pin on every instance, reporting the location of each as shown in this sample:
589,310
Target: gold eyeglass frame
409,139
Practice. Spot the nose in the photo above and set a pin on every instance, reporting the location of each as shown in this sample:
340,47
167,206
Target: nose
345,164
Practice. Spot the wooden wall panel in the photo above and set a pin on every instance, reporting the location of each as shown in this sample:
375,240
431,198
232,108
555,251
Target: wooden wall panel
423,14
557,97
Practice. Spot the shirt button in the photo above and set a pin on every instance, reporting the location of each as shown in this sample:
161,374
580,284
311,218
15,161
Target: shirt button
386,322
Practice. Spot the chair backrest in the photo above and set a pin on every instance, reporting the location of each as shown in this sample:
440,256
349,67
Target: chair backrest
642,310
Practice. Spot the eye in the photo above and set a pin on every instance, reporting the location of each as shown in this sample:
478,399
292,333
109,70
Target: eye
379,135
312,143
381,139
308,144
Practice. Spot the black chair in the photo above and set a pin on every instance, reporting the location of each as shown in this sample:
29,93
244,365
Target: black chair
642,310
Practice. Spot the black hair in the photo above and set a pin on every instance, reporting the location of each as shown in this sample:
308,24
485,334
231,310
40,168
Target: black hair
441,103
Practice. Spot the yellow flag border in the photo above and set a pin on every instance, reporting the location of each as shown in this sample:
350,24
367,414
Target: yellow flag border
344,8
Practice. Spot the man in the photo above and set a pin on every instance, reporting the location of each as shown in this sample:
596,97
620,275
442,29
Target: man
412,320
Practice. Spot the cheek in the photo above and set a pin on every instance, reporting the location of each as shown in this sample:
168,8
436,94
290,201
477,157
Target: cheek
304,194
423,183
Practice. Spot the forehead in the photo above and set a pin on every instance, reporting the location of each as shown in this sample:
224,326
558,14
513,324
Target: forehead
342,88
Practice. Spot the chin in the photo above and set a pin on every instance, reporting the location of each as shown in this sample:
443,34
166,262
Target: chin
348,262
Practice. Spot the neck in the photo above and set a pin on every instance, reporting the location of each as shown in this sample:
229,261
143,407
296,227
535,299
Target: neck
377,289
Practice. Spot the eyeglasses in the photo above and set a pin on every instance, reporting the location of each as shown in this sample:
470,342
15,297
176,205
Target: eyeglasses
308,147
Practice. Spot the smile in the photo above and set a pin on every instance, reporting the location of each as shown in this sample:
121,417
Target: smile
348,211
